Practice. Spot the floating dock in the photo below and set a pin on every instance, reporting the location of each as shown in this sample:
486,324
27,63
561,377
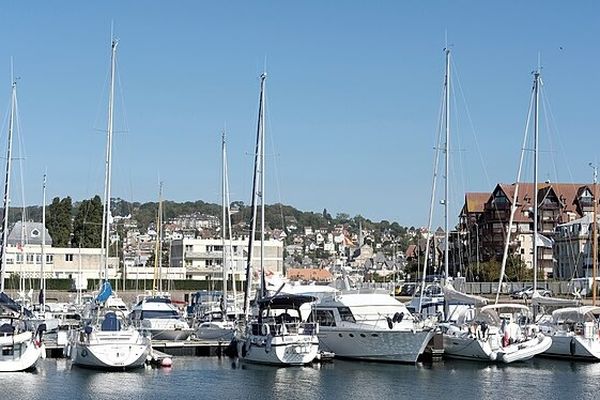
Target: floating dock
198,348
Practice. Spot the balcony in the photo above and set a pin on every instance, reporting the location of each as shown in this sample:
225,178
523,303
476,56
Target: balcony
196,255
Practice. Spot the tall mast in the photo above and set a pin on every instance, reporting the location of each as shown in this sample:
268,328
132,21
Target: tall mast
160,239
223,222
43,251
158,246
513,206
108,167
230,235
23,239
447,166
595,237
258,156
536,86
6,198
263,286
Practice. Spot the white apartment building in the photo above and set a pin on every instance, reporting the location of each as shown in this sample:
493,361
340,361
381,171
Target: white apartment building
573,248
136,268
61,262
201,259
24,256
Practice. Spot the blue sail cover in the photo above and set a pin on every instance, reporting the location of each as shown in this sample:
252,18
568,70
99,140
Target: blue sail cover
6,301
105,292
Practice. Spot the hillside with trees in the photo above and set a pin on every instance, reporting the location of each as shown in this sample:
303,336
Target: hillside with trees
79,223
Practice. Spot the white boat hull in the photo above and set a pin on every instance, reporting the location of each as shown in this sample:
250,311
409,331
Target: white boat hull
292,350
376,345
110,350
575,347
25,352
489,350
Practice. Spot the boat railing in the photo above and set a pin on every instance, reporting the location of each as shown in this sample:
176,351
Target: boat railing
284,329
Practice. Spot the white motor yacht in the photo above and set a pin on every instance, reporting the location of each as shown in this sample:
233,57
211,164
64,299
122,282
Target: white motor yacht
370,326
574,332
157,316
279,335
217,325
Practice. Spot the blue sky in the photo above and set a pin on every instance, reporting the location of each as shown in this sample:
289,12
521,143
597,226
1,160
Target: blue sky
353,96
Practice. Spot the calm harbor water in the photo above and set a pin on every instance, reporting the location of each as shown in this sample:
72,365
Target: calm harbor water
213,378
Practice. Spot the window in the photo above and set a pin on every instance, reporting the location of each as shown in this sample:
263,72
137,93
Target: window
346,315
49,258
325,317
189,248
30,258
35,233
68,257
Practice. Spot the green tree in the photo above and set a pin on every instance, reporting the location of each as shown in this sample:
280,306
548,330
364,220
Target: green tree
87,225
58,221
516,270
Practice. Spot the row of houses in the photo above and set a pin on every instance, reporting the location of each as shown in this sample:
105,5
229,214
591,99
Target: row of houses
565,215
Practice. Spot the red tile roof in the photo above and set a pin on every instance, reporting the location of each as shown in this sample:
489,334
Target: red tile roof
309,274
566,193
475,201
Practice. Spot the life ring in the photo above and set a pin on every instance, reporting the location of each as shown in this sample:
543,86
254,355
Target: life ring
84,353
265,330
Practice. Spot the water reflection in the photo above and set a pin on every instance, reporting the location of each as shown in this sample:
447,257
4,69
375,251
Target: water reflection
222,378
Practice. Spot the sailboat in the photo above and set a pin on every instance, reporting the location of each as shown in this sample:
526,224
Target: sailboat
472,330
218,321
107,341
21,343
574,328
278,334
428,299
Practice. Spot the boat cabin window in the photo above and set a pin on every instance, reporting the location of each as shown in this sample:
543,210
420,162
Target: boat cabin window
346,315
8,351
164,314
324,317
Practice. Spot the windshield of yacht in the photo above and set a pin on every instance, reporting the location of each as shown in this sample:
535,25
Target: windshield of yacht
346,314
162,314
288,315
